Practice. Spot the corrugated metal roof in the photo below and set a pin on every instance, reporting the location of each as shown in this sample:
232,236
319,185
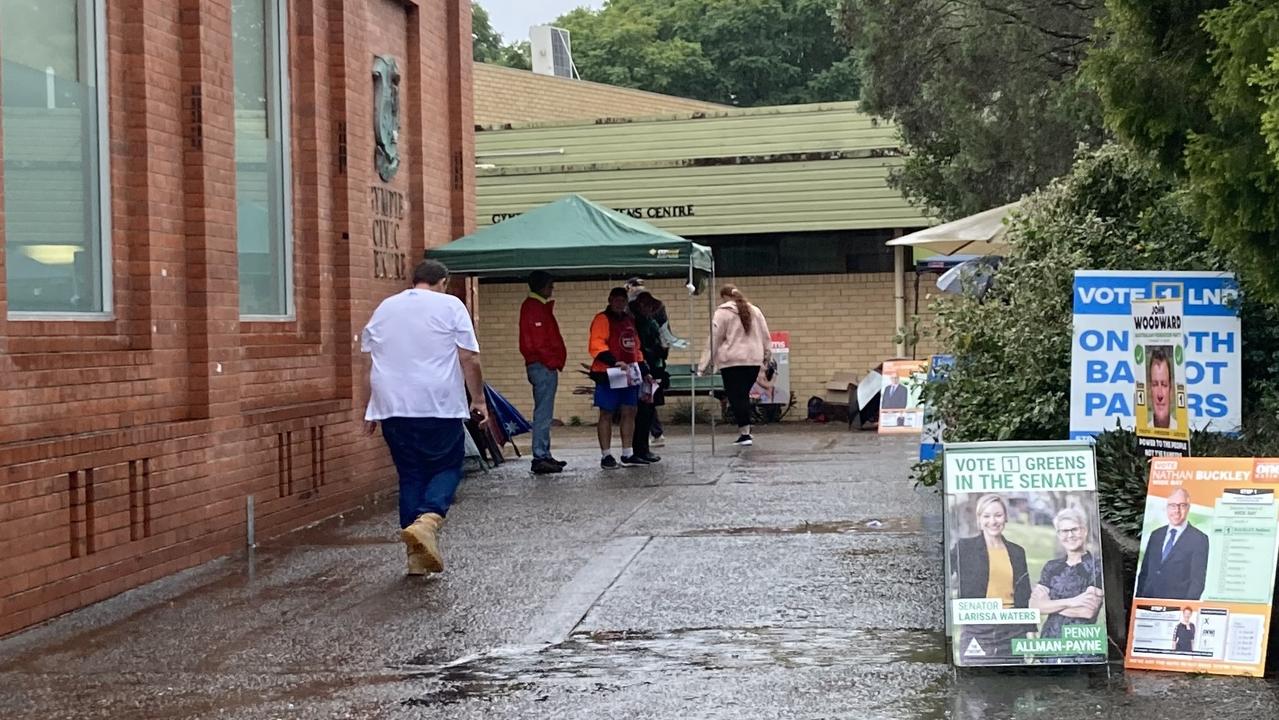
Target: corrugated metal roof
778,169
506,95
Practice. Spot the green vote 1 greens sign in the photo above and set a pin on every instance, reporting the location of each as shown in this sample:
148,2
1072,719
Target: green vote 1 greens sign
1023,560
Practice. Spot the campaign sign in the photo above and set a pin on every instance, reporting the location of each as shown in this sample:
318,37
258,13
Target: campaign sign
1206,574
1103,367
773,388
900,412
930,441
1023,554
1160,358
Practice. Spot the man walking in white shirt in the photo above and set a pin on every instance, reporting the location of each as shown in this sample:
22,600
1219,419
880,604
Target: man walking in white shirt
424,350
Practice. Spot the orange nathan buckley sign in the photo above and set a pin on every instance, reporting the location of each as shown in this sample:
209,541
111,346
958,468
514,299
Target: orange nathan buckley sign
1206,573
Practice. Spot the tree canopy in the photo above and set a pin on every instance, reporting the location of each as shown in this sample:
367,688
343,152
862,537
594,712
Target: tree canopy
987,93
487,45
1196,84
737,52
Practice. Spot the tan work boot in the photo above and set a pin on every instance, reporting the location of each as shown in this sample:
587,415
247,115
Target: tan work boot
420,538
417,562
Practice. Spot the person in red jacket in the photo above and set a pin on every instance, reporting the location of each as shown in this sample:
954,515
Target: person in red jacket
544,353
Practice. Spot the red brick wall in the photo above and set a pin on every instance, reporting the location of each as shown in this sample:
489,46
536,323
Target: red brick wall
128,447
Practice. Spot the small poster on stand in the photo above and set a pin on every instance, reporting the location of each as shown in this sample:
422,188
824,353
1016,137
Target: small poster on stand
900,412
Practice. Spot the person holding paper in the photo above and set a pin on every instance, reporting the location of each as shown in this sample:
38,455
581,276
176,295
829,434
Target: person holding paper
615,349
634,288
644,307
990,566
1069,589
1175,563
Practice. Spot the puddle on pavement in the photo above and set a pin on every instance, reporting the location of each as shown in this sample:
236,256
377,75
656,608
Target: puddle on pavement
840,527
603,661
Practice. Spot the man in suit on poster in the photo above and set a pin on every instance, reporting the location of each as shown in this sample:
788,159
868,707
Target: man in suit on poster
1175,564
894,396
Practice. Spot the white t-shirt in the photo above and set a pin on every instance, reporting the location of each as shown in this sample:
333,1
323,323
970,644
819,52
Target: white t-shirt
414,337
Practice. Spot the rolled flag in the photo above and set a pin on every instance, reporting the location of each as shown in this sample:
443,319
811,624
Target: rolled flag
509,420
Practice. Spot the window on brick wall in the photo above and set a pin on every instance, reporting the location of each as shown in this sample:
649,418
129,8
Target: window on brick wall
263,234
53,108
809,253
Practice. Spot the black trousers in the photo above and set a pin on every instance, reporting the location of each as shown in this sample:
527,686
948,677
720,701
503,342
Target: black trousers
738,382
645,413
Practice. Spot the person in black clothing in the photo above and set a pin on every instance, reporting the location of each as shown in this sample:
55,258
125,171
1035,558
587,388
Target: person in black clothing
644,308
1183,638
990,566
1069,589
634,287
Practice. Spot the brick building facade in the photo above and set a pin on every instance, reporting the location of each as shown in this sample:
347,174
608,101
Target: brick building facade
185,270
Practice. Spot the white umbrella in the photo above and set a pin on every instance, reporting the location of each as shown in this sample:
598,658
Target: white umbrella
868,388
974,275
980,234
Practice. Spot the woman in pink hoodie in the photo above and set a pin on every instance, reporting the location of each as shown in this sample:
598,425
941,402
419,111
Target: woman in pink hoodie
739,346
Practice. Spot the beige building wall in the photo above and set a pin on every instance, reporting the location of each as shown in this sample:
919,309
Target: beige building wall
836,322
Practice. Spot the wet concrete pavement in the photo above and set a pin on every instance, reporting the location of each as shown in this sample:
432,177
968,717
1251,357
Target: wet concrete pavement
797,579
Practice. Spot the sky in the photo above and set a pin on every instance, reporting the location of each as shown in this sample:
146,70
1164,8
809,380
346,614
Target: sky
512,18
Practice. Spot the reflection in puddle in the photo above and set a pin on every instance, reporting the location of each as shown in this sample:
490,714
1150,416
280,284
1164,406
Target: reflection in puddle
609,660
840,527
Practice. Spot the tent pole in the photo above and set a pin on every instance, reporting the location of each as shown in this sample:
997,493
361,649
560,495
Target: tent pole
692,372
710,321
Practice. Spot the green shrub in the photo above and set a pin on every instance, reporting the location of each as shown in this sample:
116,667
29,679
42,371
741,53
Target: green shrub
1012,376
1011,380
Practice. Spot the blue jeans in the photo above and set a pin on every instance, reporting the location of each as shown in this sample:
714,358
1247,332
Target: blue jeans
545,382
428,455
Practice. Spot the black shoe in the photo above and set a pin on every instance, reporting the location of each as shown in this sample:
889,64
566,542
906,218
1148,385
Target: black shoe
650,458
561,463
633,461
543,466
608,463
745,440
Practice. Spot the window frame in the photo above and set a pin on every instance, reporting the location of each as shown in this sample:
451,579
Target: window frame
102,183
278,118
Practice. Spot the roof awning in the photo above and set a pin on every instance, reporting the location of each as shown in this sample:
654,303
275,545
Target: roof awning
980,234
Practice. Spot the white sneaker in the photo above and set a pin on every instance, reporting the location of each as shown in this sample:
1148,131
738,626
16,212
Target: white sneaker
659,441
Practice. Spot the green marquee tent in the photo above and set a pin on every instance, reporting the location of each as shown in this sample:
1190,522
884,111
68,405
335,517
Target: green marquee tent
574,236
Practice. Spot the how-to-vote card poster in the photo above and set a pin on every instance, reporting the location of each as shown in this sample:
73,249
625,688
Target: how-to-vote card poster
930,440
1159,358
1206,572
900,411
775,389
1103,371
1023,545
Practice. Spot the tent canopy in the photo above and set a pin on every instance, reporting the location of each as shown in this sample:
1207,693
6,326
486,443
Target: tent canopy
981,234
572,234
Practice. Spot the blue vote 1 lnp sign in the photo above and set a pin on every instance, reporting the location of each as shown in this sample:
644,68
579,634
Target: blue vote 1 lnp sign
1103,369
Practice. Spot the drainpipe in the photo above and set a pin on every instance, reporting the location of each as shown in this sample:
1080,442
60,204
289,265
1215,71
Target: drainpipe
899,291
